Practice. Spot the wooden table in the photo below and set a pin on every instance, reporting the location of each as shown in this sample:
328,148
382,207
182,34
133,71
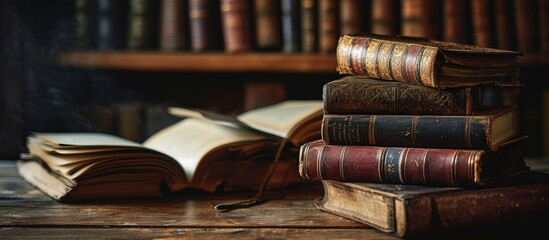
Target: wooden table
28,214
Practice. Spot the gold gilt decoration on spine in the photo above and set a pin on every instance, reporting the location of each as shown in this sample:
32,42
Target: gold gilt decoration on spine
370,60
427,67
380,155
400,161
344,55
305,156
470,166
319,161
357,54
402,166
467,132
371,130
384,60
454,168
341,162
417,70
397,59
425,165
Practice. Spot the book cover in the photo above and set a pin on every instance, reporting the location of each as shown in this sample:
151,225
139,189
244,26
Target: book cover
174,26
328,23
309,26
385,17
235,21
268,34
110,24
420,18
142,22
417,166
361,95
456,21
413,211
425,62
210,152
291,22
82,24
205,25
483,23
354,15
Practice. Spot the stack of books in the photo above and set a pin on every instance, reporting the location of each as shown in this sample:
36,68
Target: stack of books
407,146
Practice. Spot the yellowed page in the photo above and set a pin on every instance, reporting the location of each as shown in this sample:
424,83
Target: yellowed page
190,139
85,139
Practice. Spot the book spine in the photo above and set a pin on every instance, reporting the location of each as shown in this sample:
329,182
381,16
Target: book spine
309,40
352,15
483,26
407,131
504,24
267,27
385,17
203,24
385,97
328,23
456,21
419,166
291,25
419,18
525,14
387,60
543,9
140,21
82,24
236,25
173,25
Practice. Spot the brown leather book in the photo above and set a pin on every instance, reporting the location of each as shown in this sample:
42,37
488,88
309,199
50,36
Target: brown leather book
142,19
408,211
505,27
235,21
353,15
526,25
456,21
486,129
309,26
416,166
328,23
483,24
543,9
173,25
420,18
385,17
205,29
425,62
268,34
361,95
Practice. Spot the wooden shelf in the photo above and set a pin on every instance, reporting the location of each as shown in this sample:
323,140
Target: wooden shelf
201,62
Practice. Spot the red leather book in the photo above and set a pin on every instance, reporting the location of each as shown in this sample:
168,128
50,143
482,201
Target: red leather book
235,21
456,21
416,166
352,15
420,18
483,24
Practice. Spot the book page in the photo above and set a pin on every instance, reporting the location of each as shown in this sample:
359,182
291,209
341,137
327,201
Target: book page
280,119
85,139
190,139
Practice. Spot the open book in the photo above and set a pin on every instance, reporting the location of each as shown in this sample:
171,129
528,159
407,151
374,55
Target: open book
196,152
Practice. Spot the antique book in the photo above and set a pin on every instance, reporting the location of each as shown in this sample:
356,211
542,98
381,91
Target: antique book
425,62
352,15
483,23
505,27
487,128
456,21
309,25
109,24
267,24
408,211
362,95
205,25
212,153
385,17
420,18
174,25
82,24
291,27
328,23
142,24
416,166
526,25
235,21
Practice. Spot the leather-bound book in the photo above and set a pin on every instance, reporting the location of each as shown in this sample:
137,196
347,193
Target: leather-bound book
82,24
354,15
413,211
328,24
415,166
360,95
110,25
309,26
174,25
425,62
505,27
235,21
483,25
205,25
526,25
456,21
420,18
268,34
385,17
485,129
543,9
141,24
291,39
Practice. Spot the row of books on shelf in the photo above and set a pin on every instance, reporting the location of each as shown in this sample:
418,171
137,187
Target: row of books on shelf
305,25
404,145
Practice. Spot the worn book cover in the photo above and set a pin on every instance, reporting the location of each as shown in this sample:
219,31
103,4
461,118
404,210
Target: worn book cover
425,62
419,166
412,211
363,95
